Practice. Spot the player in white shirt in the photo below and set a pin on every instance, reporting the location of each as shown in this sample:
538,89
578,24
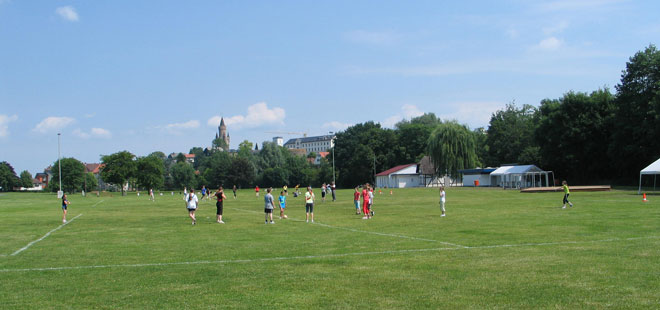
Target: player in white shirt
442,200
191,205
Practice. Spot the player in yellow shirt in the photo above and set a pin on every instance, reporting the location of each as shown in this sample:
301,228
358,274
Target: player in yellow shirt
566,193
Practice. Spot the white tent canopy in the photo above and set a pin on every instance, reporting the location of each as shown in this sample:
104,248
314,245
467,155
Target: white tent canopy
520,176
652,169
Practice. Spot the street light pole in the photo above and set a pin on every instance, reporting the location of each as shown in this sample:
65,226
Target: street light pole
334,181
59,164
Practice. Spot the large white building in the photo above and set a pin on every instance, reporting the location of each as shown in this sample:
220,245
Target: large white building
312,144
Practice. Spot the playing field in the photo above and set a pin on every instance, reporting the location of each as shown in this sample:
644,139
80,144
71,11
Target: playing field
495,249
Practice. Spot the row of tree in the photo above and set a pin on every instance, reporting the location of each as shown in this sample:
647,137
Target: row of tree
583,137
596,137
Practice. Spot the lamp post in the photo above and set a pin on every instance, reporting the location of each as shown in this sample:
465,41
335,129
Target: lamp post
59,164
333,157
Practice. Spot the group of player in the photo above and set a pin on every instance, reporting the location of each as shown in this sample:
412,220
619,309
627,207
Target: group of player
366,194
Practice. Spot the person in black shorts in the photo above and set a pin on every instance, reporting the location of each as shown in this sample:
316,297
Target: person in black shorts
220,196
65,205
234,189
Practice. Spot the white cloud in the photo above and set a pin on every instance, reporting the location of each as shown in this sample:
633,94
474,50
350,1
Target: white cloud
409,111
549,44
512,33
373,37
575,5
337,126
176,128
81,134
4,124
560,27
67,13
473,113
53,123
257,115
101,133
94,133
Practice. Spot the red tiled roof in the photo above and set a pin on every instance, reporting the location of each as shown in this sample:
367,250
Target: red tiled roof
395,169
94,168
190,155
324,154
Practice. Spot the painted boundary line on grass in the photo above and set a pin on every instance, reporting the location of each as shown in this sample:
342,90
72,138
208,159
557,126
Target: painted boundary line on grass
96,204
44,236
284,258
363,231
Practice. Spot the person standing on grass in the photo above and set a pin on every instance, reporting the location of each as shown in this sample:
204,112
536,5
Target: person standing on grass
323,187
371,201
442,200
282,200
269,205
356,200
567,192
151,195
220,197
256,190
286,190
234,189
65,205
365,202
333,187
309,204
191,205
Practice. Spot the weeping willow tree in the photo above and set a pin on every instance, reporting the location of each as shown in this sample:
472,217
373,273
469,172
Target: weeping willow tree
452,148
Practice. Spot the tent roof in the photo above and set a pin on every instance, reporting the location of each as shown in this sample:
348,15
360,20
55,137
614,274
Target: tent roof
516,169
653,168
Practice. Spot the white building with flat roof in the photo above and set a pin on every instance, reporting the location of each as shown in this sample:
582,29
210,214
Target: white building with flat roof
312,144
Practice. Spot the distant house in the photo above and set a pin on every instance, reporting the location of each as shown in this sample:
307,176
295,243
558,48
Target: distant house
190,158
400,177
95,169
41,179
317,160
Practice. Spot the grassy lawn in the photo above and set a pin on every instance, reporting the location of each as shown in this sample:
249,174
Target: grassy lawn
495,249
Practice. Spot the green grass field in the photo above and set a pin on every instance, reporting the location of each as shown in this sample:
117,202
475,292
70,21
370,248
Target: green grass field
495,249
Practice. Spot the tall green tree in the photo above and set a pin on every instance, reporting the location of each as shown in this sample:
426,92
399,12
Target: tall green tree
26,179
452,148
359,148
510,134
241,173
215,175
8,178
183,175
90,182
637,117
119,168
574,133
149,174
73,173
413,136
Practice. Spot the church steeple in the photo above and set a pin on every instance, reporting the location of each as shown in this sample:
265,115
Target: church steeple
222,133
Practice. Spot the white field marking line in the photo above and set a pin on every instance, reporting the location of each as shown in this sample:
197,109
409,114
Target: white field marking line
364,231
96,204
285,258
44,236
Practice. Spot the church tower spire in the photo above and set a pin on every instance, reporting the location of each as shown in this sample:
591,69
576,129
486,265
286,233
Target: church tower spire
222,133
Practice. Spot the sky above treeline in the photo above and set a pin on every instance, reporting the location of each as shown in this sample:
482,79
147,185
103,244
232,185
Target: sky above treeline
148,76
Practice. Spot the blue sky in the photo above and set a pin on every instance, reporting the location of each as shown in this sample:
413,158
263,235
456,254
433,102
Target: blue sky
148,76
